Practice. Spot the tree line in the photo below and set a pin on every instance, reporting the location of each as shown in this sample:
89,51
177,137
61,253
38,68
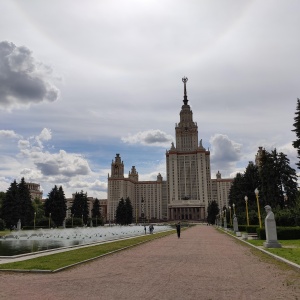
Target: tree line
276,182
16,204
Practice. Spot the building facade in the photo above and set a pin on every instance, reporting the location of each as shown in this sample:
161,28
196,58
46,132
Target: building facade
146,196
188,188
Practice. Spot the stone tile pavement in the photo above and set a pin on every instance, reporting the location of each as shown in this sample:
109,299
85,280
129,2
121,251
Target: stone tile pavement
202,264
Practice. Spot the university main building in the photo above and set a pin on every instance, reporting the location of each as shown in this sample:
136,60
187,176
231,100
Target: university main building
188,188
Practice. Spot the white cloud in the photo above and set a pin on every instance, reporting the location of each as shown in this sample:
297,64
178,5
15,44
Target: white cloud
9,134
224,149
225,154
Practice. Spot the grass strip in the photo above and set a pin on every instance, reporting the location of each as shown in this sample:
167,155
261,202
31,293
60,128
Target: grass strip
61,260
290,249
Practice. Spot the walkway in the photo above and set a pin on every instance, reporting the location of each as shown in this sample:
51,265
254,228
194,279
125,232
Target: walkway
203,264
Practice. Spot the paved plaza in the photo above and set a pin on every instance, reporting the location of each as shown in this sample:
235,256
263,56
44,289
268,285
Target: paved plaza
202,264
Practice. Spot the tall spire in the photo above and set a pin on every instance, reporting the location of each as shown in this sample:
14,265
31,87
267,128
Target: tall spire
185,100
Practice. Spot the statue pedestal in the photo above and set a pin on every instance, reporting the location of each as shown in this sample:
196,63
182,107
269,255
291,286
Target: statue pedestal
272,244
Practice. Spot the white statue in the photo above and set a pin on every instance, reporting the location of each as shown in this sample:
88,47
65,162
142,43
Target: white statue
270,227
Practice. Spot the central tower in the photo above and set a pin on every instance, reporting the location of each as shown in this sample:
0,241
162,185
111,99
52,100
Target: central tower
188,169
186,130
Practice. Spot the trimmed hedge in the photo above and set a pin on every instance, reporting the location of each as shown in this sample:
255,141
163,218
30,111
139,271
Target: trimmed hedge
283,233
249,229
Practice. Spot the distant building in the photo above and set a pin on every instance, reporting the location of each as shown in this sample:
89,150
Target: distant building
220,190
34,190
188,188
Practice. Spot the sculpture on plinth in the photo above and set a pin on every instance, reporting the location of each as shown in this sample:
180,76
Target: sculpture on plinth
270,227
235,224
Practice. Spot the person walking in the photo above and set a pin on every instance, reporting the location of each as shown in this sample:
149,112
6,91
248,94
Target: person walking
178,229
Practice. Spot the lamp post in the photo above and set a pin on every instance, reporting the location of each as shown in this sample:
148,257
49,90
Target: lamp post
285,197
247,215
225,219
233,205
258,208
230,215
96,221
49,220
34,220
82,219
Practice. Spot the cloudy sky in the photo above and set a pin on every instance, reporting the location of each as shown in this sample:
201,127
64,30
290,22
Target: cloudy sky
82,81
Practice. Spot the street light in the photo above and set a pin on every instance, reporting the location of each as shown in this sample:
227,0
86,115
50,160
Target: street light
230,215
258,209
246,201
233,205
34,220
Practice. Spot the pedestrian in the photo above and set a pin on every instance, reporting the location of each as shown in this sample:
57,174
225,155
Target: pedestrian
151,228
145,229
178,229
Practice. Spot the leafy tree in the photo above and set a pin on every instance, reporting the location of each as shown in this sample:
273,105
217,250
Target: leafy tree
296,143
96,213
2,196
96,209
277,178
27,210
11,210
273,179
38,207
80,207
120,212
250,182
128,211
56,205
288,179
212,211
17,205
237,193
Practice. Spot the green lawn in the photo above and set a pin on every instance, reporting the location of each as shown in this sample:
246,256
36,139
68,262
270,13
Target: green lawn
290,249
60,260
4,232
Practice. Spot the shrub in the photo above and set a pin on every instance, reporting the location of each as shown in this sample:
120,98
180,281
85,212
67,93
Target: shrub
77,222
2,224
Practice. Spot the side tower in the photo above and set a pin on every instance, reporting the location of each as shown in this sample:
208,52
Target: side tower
188,169
115,187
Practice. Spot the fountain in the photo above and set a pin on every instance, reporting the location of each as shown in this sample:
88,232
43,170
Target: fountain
29,241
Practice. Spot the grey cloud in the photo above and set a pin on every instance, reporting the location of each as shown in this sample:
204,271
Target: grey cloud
48,169
156,137
23,80
149,137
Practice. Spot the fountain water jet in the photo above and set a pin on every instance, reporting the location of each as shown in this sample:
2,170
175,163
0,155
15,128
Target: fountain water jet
28,241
